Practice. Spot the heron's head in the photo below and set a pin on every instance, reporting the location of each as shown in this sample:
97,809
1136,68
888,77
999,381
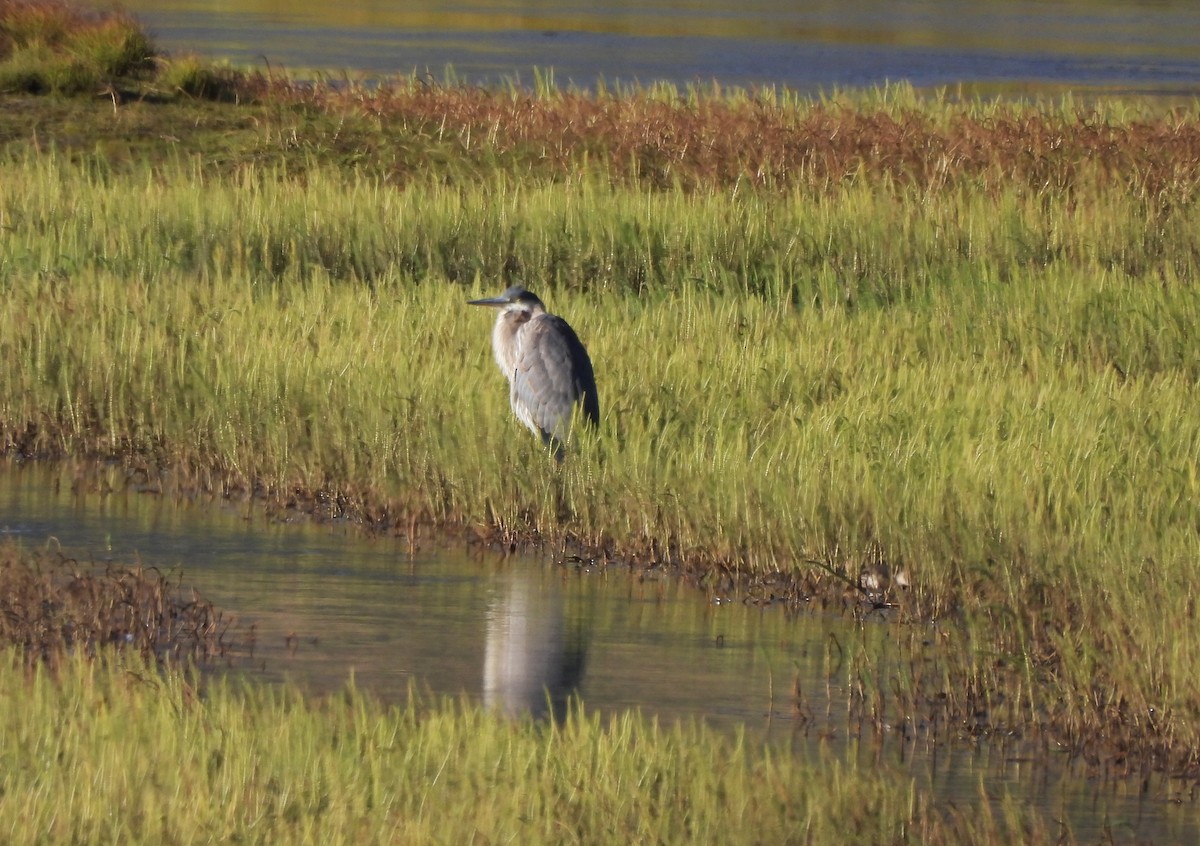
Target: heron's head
513,299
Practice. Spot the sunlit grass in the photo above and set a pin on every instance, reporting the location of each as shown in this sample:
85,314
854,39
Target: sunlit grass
993,393
873,332
105,752
64,48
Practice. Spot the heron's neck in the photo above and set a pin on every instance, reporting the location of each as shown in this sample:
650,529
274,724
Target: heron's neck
504,338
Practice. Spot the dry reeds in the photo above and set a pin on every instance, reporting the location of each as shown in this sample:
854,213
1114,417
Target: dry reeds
716,141
52,607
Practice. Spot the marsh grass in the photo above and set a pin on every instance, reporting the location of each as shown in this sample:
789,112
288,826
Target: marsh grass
107,750
63,48
993,394
869,336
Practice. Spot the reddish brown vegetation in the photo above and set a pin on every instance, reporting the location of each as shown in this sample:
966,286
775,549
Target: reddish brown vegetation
698,141
716,142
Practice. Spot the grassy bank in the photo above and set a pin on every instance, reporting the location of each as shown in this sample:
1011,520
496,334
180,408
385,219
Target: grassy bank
108,752
947,340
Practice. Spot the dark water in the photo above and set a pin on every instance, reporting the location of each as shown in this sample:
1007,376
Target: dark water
1004,46
326,603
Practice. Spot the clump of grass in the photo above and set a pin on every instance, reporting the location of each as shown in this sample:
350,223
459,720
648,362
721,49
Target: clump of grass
52,607
103,751
56,47
192,76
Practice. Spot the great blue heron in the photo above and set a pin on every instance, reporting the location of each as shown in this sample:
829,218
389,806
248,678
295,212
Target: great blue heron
547,368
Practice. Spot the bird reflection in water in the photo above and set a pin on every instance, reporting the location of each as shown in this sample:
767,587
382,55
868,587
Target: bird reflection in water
535,656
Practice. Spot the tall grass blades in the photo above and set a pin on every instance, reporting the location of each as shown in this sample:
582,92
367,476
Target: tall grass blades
62,48
840,342
112,751
991,392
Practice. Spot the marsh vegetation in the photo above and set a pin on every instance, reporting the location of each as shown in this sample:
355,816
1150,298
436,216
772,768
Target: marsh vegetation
866,336
53,606
260,765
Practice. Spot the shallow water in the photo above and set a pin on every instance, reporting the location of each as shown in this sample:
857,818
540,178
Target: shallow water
327,603
1000,45
448,619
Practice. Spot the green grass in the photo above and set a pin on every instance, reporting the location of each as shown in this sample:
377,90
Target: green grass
992,392
112,752
949,340
59,48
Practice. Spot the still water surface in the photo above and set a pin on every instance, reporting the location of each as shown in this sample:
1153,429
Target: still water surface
448,619
1151,47
499,630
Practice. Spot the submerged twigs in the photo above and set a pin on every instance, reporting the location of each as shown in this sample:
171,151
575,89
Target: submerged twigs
52,606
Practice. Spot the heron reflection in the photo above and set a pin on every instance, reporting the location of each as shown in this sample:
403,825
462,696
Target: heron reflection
535,656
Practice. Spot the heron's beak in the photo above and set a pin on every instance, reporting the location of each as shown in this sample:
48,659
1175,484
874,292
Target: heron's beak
495,302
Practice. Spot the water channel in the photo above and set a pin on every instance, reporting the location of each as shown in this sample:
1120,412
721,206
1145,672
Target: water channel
1000,46
326,602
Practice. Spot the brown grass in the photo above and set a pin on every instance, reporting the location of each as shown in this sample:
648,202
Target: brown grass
715,142
656,137
52,606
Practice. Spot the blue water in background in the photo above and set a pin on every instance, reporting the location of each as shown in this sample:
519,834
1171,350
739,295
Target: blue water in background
1001,46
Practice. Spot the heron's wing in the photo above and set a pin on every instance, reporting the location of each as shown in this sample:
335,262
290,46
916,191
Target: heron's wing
551,374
